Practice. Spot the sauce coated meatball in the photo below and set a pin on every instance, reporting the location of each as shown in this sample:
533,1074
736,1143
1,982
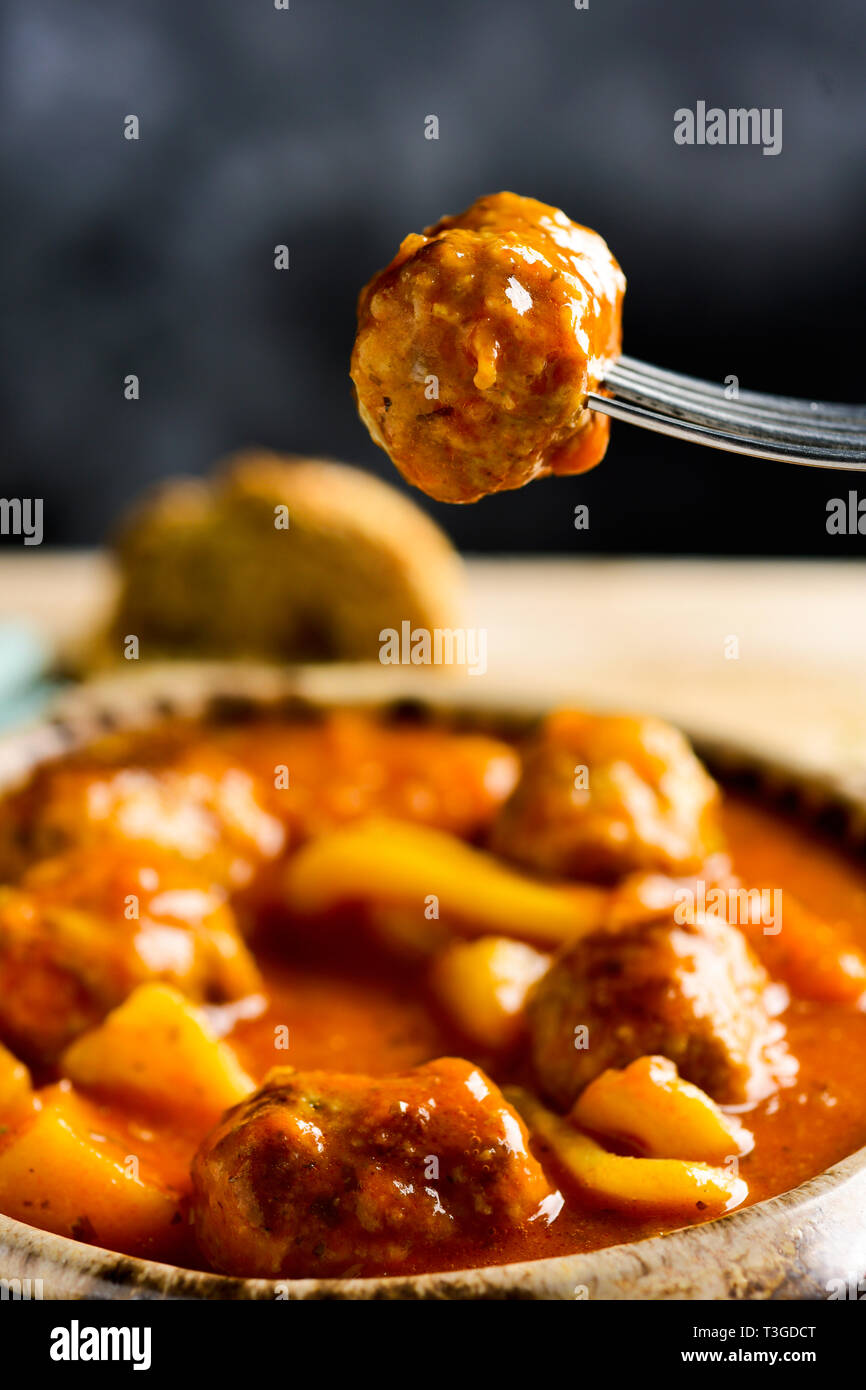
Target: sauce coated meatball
477,345
233,800
693,992
82,930
322,1174
601,796
192,800
455,781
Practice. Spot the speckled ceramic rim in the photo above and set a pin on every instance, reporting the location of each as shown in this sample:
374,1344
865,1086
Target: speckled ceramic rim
793,1246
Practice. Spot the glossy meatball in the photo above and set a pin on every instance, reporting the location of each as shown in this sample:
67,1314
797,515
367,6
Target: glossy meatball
323,1174
82,930
192,799
429,775
693,992
477,345
601,796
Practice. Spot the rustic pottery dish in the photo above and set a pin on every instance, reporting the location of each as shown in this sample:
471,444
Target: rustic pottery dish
803,1244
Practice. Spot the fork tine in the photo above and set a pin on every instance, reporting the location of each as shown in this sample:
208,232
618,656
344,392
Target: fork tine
733,415
633,373
786,447
713,405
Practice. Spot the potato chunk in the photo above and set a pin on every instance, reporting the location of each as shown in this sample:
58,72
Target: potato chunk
601,796
652,1108
483,986
638,1186
158,1053
61,1172
422,885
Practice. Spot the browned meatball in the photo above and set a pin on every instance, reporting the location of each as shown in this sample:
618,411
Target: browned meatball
694,993
477,346
453,779
187,797
601,796
324,1174
217,799
82,930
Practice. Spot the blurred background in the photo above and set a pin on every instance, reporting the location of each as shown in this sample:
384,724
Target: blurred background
305,127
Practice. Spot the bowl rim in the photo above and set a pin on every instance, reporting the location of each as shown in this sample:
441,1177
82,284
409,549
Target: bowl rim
222,691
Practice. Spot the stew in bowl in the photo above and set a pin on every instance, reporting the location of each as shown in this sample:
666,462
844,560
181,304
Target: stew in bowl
301,992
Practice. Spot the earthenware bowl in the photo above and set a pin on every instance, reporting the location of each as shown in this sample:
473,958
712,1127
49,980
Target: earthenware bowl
800,1245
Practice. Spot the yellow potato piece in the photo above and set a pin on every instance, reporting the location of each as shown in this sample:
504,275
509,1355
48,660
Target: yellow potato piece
649,1105
16,1090
57,1171
156,1051
404,873
635,1185
483,986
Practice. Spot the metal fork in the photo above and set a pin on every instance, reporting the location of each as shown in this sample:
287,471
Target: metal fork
747,422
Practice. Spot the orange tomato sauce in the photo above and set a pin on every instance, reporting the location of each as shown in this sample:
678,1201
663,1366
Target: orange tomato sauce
335,1006
367,1015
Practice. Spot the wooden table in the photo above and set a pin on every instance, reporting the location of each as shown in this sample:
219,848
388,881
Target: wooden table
633,634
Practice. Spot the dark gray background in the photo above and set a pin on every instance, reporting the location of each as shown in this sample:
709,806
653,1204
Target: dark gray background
306,127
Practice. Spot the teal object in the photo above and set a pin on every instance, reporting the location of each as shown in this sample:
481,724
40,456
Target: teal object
24,663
